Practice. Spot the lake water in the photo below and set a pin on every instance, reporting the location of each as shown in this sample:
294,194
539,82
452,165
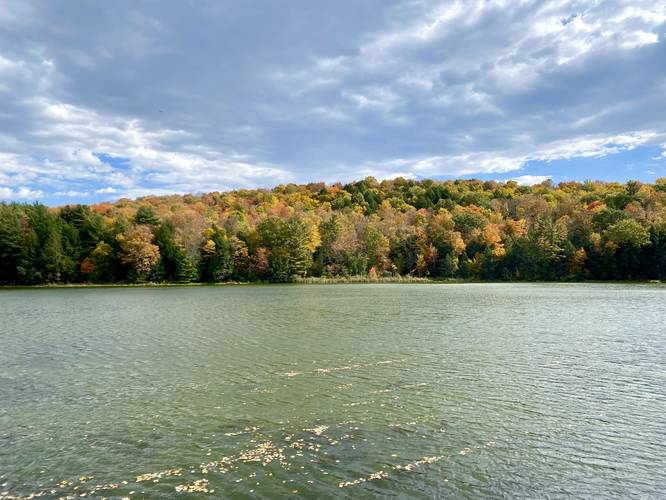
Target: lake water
363,391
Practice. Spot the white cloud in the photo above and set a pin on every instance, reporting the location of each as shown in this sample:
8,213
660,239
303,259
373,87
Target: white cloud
381,174
328,114
72,194
372,97
495,162
410,88
475,61
638,39
20,193
68,139
530,180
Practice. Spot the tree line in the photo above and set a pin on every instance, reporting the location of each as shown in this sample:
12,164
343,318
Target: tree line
467,229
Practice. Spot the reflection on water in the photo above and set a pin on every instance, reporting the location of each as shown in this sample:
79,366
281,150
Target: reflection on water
361,390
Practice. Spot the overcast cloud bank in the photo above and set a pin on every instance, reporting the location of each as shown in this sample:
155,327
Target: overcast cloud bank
103,100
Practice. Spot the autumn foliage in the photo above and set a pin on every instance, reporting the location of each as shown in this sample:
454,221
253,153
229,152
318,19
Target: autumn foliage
441,229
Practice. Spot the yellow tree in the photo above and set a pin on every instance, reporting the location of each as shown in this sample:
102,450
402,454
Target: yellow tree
137,249
577,263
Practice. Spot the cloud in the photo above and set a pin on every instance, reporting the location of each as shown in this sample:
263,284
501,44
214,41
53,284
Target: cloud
72,194
21,193
484,86
67,142
206,96
508,161
373,97
530,180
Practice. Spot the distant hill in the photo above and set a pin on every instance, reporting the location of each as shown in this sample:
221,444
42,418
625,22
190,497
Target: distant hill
466,229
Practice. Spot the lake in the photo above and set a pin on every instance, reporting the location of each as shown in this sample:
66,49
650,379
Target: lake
363,391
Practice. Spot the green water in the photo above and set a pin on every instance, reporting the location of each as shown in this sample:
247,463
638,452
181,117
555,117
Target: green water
363,391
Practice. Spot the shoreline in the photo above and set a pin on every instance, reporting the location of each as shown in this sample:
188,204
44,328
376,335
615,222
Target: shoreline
333,281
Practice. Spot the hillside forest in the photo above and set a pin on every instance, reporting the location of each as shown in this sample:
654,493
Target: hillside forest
466,229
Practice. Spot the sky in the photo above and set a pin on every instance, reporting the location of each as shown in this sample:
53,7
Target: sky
107,99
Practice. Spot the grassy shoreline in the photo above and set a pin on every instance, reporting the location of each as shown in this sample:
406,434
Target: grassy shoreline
351,280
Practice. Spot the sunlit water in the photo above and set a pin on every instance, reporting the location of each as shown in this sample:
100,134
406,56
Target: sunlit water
420,391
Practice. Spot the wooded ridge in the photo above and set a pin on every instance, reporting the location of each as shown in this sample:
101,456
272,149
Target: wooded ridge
467,229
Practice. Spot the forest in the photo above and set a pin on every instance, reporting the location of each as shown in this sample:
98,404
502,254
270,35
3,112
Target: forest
466,229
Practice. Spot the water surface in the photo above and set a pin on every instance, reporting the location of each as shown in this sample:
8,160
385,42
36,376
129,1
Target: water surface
419,391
